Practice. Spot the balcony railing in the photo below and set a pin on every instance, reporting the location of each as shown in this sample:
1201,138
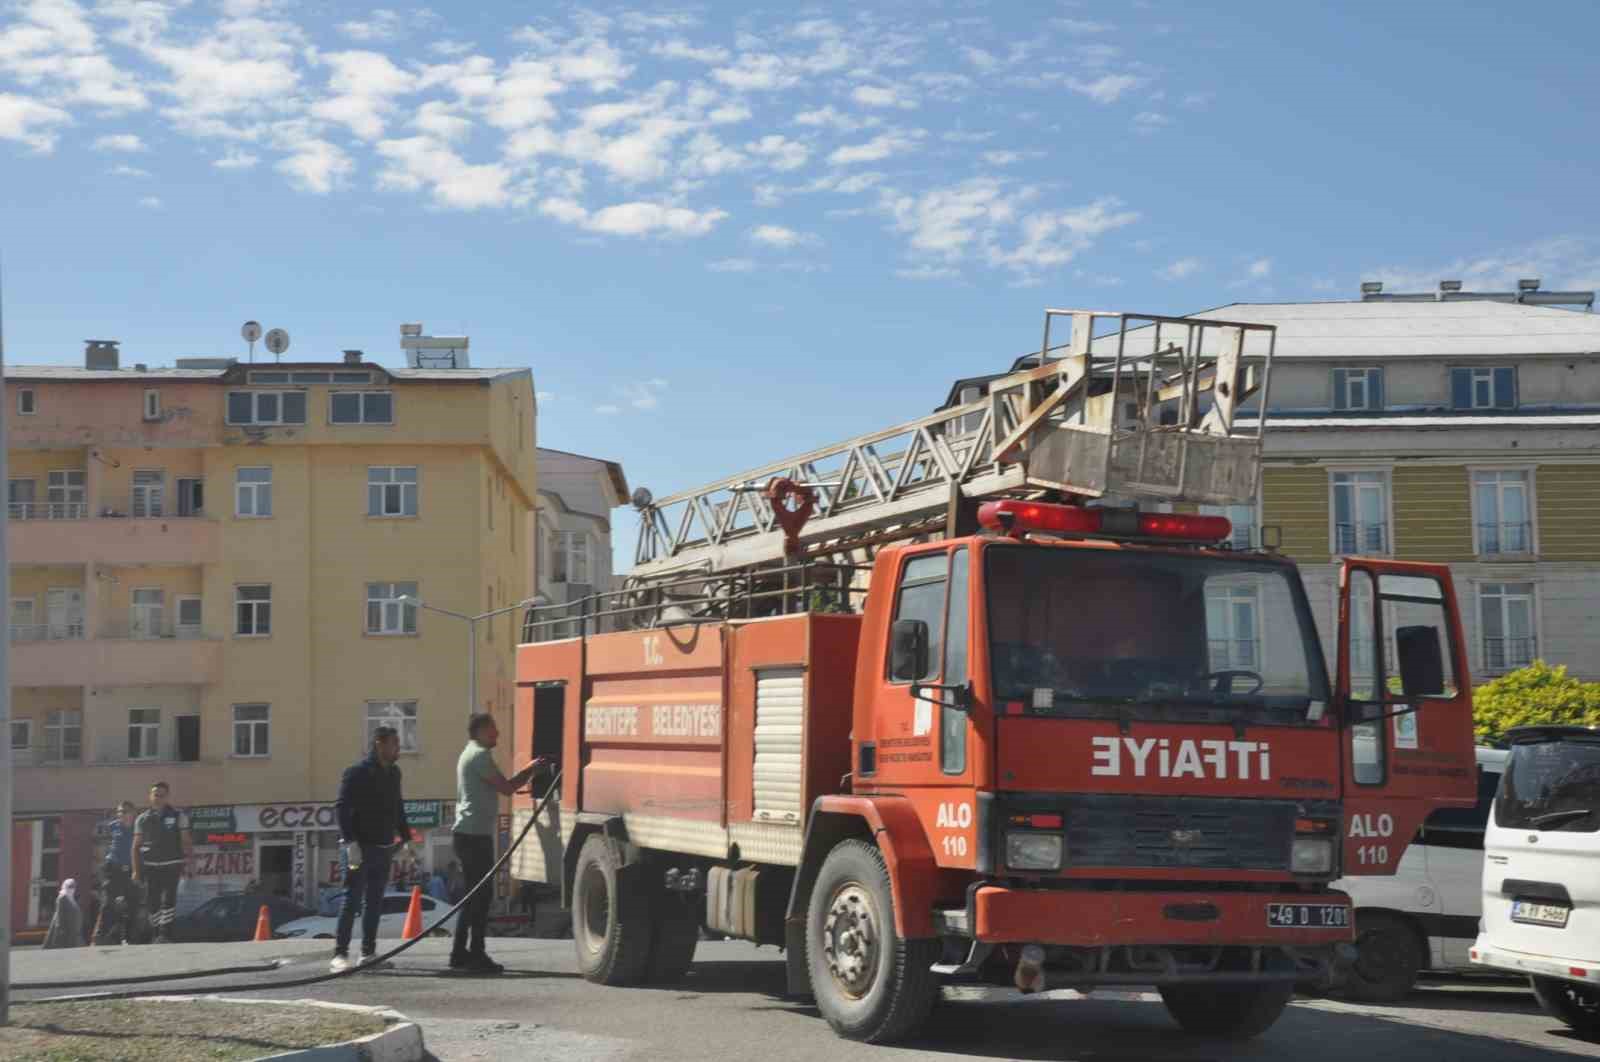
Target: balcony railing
1361,538
47,755
1507,654
122,508
45,632
48,510
1499,538
122,631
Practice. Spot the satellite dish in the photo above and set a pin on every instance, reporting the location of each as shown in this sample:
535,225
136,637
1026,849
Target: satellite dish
277,341
642,498
251,331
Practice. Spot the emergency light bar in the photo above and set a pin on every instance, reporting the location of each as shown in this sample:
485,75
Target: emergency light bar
1012,517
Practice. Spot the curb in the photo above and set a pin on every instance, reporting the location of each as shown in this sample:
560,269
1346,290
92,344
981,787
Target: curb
400,1042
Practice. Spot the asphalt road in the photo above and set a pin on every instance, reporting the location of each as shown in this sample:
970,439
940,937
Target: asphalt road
731,1008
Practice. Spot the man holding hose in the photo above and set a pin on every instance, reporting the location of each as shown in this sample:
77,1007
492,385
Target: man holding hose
479,786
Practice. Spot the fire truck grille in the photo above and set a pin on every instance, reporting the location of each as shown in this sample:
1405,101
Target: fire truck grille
1123,831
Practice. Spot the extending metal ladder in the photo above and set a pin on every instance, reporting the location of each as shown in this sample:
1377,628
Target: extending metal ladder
1129,406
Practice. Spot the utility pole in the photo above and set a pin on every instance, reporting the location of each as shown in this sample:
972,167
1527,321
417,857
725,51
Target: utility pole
6,769
472,648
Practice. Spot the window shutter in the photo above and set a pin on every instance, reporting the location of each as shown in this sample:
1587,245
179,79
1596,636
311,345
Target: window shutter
780,707
1461,388
1340,392
1375,389
1505,388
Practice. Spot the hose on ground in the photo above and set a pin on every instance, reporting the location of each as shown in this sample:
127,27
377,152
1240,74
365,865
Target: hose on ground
301,982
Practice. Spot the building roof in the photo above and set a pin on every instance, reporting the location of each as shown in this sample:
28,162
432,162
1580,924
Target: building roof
613,469
77,372
1436,420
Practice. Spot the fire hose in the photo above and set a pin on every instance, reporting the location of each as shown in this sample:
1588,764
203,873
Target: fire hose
299,982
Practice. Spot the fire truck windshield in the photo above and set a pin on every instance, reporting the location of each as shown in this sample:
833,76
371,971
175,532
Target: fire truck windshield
1093,633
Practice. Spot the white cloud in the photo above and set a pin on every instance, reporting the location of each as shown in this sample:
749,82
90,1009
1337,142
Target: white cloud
236,159
707,156
959,136
1006,158
450,49
544,396
441,121
128,171
832,118
1054,238
878,148
1078,25
728,114
1561,262
731,265
53,45
150,202
1261,268
757,72
678,48
1182,269
945,221
1148,122
421,162
1107,89
883,96
657,21
634,219
382,25
316,166
239,65
30,122
927,272
128,142
780,152
985,61
1198,101
780,237
644,395
363,86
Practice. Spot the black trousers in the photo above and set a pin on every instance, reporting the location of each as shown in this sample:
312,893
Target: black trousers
475,853
119,905
161,896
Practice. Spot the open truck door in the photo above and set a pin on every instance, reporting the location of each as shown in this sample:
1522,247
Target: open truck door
1406,701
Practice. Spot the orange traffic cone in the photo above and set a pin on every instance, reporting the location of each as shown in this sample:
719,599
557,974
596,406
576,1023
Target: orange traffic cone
413,926
263,925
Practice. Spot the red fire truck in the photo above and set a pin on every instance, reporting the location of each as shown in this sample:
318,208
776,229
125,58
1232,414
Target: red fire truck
1041,739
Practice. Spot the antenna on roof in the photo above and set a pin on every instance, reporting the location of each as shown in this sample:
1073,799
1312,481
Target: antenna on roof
277,342
251,331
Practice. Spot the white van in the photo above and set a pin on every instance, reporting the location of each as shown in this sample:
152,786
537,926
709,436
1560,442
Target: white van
1425,916
1541,877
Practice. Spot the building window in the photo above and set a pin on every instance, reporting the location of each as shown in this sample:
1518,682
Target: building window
21,494
253,492
1361,512
21,740
266,407
252,729
63,737
190,622
144,733
1487,388
25,620
191,497
66,496
386,613
402,715
1506,617
1358,389
27,403
1502,512
361,407
152,404
149,613
392,490
569,557
253,606
149,489
1243,519
1233,630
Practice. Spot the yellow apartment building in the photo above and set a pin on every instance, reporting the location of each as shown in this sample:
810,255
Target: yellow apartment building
206,567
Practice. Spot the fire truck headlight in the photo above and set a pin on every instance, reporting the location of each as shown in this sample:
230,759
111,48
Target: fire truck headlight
1033,851
1312,855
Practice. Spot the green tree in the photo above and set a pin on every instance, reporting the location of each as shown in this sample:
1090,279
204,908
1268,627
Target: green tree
1537,693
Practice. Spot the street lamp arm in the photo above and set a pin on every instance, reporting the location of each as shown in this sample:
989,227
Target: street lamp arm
435,608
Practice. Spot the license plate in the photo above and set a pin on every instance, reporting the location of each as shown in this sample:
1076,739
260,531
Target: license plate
1540,914
1307,916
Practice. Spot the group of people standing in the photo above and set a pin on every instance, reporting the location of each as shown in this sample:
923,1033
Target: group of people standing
139,878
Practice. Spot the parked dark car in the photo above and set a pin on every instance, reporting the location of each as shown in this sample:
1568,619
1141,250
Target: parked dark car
233,917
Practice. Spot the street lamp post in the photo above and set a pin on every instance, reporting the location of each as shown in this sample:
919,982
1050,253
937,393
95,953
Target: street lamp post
472,626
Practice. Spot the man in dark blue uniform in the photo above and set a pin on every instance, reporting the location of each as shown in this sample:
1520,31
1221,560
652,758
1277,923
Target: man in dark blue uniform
117,903
161,846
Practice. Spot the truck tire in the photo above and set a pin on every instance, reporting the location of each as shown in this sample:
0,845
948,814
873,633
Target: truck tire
674,934
870,984
1577,1005
1233,1012
1388,958
610,919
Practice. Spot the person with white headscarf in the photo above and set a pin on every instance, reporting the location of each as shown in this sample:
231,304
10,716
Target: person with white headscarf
66,925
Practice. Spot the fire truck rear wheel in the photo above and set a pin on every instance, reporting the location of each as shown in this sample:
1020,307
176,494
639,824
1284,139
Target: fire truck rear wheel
610,918
674,933
1234,1012
869,983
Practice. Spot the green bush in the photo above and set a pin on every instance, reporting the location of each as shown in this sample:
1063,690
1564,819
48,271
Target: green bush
1537,693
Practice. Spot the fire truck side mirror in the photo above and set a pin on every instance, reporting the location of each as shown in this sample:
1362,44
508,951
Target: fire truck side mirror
908,650
1421,661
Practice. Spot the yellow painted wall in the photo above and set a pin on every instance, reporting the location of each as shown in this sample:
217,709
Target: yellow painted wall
1568,497
1296,499
114,605
37,464
1432,513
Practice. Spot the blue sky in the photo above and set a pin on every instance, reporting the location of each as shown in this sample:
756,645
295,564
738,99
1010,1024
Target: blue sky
720,233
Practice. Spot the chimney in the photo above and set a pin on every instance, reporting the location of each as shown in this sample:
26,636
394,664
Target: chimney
100,354
353,357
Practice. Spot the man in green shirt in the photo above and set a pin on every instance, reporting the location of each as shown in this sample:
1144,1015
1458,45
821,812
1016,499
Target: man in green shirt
479,786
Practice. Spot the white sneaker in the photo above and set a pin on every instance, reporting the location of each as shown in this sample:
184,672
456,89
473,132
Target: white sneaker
340,964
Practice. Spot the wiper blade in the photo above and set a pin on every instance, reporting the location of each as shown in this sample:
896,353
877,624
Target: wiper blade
1560,816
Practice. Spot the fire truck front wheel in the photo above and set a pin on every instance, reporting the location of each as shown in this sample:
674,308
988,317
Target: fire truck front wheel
869,983
1234,1012
610,917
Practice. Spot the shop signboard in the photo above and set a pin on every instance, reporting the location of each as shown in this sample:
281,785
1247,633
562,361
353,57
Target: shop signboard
217,818
261,818
424,814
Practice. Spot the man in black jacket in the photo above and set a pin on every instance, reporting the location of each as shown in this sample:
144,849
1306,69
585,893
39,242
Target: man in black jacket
372,824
